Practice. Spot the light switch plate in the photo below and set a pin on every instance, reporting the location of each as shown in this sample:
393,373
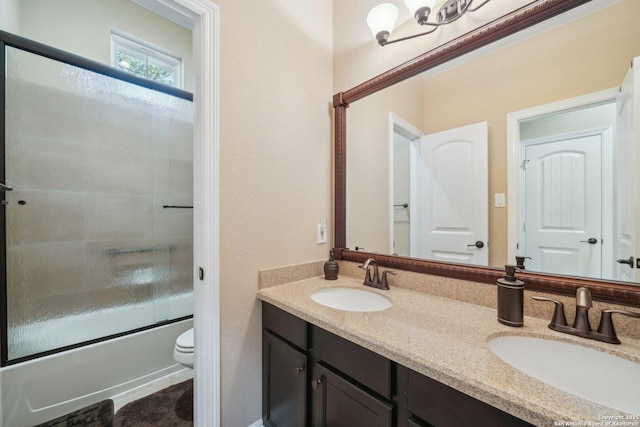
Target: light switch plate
322,233
499,200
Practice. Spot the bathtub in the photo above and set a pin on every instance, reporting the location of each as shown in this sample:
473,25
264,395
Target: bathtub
42,389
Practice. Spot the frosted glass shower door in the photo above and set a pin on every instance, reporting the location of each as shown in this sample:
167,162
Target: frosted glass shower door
90,250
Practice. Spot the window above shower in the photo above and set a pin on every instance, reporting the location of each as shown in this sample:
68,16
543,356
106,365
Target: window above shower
145,60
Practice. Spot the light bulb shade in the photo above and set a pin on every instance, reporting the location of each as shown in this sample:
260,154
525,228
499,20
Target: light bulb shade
382,18
420,9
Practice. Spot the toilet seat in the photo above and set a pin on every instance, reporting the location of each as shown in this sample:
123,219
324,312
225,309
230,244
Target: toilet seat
183,350
185,341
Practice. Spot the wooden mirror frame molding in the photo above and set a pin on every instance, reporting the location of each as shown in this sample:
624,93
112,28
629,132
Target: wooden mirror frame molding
614,292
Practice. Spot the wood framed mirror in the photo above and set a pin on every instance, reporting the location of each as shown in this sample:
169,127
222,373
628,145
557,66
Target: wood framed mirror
510,24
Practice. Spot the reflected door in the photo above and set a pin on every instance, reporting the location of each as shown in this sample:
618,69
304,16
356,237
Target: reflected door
563,206
454,195
627,157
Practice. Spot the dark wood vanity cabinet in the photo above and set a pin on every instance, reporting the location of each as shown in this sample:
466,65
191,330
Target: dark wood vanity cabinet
337,402
284,369
351,386
312,377
431,403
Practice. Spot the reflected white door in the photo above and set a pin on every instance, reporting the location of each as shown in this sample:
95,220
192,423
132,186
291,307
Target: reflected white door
453,186
563,205
627,193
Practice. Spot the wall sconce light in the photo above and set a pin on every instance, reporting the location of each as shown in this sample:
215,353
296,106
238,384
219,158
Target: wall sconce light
382,18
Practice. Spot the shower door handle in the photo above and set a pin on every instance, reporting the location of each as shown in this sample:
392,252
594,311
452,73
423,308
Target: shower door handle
5,187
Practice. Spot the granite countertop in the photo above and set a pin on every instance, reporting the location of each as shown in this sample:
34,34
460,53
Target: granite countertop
446,340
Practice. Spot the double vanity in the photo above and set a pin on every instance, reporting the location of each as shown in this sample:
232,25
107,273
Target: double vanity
337,352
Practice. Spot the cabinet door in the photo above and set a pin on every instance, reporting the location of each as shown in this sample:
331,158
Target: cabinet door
440,405
284,384
414,423
338,403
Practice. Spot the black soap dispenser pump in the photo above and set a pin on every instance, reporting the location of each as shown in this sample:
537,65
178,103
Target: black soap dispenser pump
331,268
510,298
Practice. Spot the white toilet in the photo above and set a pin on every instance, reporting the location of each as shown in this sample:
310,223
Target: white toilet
183,350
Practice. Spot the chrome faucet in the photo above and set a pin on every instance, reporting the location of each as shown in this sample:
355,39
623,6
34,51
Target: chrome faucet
379,282
581,325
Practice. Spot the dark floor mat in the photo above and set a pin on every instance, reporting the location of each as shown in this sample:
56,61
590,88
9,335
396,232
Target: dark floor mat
172,406
97,415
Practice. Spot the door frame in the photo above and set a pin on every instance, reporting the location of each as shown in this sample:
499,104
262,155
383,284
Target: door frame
514,155
399,125
203,18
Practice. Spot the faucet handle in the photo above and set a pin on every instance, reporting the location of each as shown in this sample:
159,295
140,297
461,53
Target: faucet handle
384,283
559,318
606,324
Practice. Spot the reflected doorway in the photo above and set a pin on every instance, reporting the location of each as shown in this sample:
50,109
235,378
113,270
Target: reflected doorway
562,198
566,187
438,193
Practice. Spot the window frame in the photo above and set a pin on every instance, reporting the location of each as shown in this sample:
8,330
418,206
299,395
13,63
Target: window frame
152,54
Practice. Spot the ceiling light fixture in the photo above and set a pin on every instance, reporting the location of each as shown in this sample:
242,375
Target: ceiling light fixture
382,18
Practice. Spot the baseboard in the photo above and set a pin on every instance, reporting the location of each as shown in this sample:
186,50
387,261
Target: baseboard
257,424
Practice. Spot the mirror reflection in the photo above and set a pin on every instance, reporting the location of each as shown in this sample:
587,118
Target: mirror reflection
445,201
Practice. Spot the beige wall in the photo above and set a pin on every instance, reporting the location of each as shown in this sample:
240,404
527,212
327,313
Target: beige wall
275,159
9,15
368,170
357,56
84,27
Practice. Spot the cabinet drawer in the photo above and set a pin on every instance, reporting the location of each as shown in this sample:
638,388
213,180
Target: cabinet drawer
285,325
441,405
362,365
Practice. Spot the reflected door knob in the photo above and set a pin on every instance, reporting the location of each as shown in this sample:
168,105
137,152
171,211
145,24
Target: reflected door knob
590,240
626,261
479,244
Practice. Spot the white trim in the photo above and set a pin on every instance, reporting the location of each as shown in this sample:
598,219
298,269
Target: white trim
202,16
514,155
396,123
171,10
257,424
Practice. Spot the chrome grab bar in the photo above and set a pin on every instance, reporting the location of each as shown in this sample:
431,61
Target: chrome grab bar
116,252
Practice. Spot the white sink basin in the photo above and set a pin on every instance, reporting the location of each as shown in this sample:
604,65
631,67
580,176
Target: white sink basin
350,299
591,374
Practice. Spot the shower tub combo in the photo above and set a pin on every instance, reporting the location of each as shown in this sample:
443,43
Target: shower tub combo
97,248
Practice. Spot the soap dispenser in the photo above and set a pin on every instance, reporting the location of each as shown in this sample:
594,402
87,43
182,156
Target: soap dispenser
510,298
331,268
